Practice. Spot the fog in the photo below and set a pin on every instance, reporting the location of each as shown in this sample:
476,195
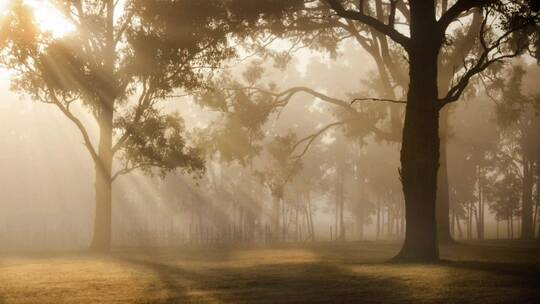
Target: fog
48,178
245,151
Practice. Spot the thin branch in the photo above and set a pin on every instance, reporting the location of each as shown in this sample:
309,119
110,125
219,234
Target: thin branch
142,105
379,99
311,138
125,171
484,61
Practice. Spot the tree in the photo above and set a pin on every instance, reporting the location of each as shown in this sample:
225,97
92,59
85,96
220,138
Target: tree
520,129
277,173
308,25
504,200
420,146
118,64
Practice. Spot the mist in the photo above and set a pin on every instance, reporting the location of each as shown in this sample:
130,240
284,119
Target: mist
227,152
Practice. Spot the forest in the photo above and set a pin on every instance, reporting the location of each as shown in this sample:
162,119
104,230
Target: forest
270,151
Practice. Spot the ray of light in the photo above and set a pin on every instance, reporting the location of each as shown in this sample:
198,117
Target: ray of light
49,18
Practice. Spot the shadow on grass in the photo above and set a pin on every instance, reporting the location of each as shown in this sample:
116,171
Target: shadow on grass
279,283
329,273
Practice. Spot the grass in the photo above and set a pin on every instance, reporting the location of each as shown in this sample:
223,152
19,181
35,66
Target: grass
314,273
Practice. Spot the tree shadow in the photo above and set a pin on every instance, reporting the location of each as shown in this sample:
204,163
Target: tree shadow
528,272
277,283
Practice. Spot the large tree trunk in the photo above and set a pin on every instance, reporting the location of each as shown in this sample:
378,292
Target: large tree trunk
420,147
446,76
103,216
527,229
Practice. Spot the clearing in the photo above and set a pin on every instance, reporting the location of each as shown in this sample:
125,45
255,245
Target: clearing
356,272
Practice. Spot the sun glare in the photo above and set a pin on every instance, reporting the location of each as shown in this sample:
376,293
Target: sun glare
49,18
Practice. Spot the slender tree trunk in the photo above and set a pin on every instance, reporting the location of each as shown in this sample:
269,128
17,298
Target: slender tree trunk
536,220
284,220
103,216
498,222
420,147
527,229
310,217
402,221
341,206
453,224
443,198
446,78
480,212
511,227
275,231
359,210
297,224
458,225
360,227
378,218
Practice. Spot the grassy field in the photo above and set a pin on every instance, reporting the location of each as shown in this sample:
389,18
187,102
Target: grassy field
315,273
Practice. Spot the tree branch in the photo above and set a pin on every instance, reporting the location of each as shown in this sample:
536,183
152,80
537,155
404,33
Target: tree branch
457,9
142,105
77,122
311,138
376,24
379,99
484,61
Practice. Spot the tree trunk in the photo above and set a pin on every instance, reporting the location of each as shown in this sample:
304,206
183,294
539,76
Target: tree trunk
420,147
103,216
527,229
341,205
378,218
511,227
310,217
480,212
275,231
458,225
443,199
498,222
536,224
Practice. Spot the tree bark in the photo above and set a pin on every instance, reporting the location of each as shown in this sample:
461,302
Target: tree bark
420,147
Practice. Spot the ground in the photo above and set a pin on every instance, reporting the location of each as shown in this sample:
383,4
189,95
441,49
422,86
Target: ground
310,273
